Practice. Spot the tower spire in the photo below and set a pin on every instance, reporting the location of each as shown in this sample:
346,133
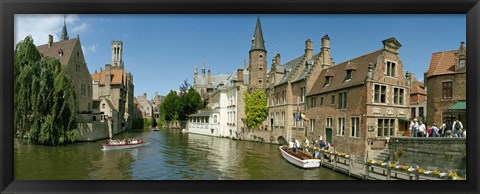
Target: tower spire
64,30
257,41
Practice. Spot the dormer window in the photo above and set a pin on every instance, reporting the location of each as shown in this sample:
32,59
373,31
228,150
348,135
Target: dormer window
349,75
462,63
328,79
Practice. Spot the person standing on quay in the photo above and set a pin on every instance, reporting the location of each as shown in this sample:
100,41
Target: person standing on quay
435,130
413,128
457,128
421,129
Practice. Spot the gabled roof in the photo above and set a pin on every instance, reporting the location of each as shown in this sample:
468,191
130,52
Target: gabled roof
339,74
53,51
417,88
115,78
442,63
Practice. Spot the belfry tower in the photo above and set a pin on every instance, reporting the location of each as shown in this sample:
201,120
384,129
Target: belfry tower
258,59
117,48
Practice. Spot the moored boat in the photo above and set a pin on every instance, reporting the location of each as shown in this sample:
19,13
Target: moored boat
184,130
155,129
299,159
123,144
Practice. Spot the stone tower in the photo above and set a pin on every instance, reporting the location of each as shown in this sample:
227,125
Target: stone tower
258,59
117,48
326,57
64,30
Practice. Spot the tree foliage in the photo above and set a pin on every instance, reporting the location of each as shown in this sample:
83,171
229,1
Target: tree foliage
256,108
44,100
179,106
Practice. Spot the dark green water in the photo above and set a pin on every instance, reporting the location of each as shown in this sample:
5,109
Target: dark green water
171,155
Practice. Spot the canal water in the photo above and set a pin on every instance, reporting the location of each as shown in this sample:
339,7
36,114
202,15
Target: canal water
171,155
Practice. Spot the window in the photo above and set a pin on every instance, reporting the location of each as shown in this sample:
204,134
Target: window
342,100
277,118
284,97
321,101
391,69
447,90
380,93
77,67
83,90
329,123
332,100
420,112
385,127
328,79
278,97
313,102
283,118
349,75
273,100
413,112
462,63
312,124
355,126
303,93
398,96
215,119
341,126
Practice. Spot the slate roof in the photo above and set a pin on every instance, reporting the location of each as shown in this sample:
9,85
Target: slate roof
115,78
258,43
442,63
339,73
53,51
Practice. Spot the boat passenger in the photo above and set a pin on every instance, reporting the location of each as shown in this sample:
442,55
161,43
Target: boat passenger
290,145
297,145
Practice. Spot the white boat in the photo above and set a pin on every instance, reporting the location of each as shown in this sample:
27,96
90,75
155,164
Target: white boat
184,130
119,146
299,159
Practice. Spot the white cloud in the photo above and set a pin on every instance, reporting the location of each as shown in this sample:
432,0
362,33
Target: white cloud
39,26
89,49
80,28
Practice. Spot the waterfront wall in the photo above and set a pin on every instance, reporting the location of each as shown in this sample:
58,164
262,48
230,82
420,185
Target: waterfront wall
443,154
92,131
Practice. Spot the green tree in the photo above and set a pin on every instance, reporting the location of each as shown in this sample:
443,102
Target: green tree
256,108
191,103
45,100
170,107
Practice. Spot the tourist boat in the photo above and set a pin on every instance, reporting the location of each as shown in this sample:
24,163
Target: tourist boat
122,144
299,159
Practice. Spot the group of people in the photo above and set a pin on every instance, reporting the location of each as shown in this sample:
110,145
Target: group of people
294,145
127,141
447,129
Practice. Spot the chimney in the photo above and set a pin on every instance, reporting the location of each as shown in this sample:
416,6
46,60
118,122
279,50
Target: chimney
145,95
240,75
409,80
277,59
327,58
50,40
308,49
208,76
108,78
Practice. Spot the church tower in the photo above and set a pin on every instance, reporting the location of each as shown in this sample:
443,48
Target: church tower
64,30
117,48
258,59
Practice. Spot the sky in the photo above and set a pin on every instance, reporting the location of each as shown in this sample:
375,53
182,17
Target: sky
161,51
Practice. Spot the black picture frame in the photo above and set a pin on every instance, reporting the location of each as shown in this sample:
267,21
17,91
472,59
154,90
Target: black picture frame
10,7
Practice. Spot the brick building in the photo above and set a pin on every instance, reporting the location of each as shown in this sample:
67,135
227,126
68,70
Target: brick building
358,104
116,85
418,98
69,53
288,85
446,83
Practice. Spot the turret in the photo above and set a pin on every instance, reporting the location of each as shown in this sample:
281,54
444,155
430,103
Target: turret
308,49
326,57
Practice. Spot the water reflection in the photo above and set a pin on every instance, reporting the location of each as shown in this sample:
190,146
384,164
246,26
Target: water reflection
171,155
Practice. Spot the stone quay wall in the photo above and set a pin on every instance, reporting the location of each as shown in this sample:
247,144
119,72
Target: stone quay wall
443,154
92,131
